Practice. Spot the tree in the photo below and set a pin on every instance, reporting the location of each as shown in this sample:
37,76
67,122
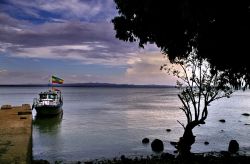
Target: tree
199,87
219,30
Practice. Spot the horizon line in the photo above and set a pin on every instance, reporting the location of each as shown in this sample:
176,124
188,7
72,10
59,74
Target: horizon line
88,84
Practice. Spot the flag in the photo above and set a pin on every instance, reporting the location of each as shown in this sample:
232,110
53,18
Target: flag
56,80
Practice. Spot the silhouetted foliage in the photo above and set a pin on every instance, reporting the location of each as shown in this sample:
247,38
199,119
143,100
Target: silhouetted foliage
219,30
198,89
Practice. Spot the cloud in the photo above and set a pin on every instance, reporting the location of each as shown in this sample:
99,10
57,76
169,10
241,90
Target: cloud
85,53
94,10
21,77
35,77
91,78
145,69
3,71
76,31
87,43
49,34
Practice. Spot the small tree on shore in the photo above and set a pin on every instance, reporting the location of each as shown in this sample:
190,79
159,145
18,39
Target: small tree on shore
200,85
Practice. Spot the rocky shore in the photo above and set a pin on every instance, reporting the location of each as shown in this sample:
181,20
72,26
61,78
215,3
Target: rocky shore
231,156
223,157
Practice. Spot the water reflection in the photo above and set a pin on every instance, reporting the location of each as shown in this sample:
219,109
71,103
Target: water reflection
48,124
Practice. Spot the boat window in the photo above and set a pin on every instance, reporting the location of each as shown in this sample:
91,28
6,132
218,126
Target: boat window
43,96
52,96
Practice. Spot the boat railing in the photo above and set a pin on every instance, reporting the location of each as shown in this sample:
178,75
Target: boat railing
35,101
41,102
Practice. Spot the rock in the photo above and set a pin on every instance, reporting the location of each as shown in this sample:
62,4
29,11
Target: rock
222,120
167,156
123,157
168,130
233,146
246,124
157,145
245,114
225,153
88,162
206,143
145,140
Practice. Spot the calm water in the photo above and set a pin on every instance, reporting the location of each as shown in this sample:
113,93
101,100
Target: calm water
109,122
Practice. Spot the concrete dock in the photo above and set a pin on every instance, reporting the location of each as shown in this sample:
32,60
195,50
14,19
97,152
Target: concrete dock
15,134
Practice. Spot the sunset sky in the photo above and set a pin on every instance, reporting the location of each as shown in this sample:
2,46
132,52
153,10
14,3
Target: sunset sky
74,40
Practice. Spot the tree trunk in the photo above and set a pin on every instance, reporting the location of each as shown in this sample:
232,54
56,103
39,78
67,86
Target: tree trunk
186,141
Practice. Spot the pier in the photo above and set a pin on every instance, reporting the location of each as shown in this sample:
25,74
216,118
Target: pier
16,134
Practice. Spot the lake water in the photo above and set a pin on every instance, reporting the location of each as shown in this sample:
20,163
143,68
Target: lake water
110,122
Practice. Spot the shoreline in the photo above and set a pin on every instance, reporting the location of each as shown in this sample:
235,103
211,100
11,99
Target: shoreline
223,157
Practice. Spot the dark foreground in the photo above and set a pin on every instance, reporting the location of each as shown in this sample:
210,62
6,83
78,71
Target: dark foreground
165,158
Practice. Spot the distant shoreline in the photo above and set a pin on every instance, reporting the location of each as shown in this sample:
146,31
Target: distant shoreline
99,85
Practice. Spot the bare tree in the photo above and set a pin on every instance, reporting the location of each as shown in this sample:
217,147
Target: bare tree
200,85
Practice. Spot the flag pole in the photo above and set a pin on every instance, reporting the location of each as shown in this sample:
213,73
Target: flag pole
49,84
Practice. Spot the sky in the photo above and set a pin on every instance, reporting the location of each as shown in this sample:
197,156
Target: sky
74,40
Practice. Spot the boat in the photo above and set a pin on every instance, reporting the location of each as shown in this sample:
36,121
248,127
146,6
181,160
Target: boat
49,102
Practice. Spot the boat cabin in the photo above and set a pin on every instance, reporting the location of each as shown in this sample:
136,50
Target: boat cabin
48,96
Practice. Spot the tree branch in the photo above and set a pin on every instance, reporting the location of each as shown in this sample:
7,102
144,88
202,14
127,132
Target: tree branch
189,118
191,92
181,124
